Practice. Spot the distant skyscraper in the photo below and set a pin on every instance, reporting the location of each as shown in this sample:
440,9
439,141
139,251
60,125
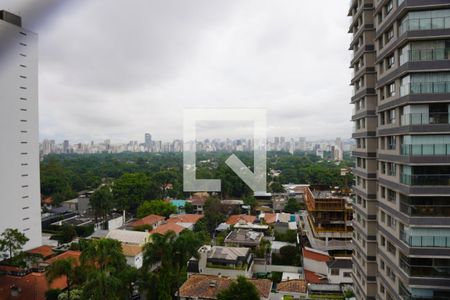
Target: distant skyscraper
148,141
19,151
66,146
302,144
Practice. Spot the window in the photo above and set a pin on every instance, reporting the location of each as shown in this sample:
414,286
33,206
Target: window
347,274
391,142
391,222
389,35
381,288
383,216
390,248
382,120
391,115
381,264
391,90
390,61
389,6
382,241
335,272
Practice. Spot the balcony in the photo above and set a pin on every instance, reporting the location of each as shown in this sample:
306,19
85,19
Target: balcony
426,241
425,55
425,210
425,88
425,24
425,267
425,149
426,179
424,118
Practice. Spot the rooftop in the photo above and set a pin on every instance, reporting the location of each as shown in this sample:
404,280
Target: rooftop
128,236
244,236
184,218
292,286
233,219
162,229
227,253
131,250
31,286
148,220
75,255
340,264
45,251
209,286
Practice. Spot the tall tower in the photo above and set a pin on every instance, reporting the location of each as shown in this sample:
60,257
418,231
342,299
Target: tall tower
401,62
19,148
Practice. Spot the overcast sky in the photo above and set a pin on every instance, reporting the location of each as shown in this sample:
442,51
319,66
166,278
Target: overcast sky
119,68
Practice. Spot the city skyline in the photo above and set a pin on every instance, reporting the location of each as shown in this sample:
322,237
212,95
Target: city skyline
261,60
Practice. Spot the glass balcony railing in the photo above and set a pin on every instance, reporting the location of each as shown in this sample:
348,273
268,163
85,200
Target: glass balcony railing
425,271
425,210
425,149
424,118
425,24
425,55
425,241
426,179
425,88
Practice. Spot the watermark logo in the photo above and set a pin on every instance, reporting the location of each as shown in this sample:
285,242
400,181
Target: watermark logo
256,180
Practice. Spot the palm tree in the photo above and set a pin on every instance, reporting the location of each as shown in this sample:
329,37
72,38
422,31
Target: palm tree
104,261
63,267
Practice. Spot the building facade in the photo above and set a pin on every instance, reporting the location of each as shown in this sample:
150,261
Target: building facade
401,81
19,147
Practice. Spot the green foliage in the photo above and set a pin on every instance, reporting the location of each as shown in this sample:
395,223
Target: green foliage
52,294
262,249
290,236
288,256
145,227
101,202
75,294
276,277
213,213
11,241
84,230
57,181
172,253
239,289
65,267
156,207
131,189
188,208
292,206
66,234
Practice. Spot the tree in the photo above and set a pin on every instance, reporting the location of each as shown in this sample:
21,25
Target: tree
63,267
66,234
213,213
241,289
188,208
104,261
12,240
292,206
131,189
172,253
156,207
288,256
102,203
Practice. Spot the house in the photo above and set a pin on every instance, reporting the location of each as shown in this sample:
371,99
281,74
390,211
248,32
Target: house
198,205
222,261
164,228
185,220
32,286
315,265
134,255
44,251
207,287
234,219
268,218
129,237
340,271
179,204
150,220
295,288
243,238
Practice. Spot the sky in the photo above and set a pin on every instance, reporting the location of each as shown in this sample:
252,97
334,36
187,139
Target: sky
116,69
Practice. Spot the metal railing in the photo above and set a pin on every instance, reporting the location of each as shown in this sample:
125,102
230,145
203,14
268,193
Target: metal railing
425,88
425,271
424,118
425,149
426,179
426,241
425,210
424,24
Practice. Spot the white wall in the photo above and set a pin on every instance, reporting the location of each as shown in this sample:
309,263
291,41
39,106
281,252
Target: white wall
19,148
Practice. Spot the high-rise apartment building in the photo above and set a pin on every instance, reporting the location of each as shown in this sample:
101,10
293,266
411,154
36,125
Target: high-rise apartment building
401,62
19,148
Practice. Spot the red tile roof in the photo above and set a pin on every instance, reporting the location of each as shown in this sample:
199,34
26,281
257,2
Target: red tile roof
162,229
44,250
292,286
234,219
270,218
68,254
315,254
148,220
184,218
208,286
32,286
311,277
